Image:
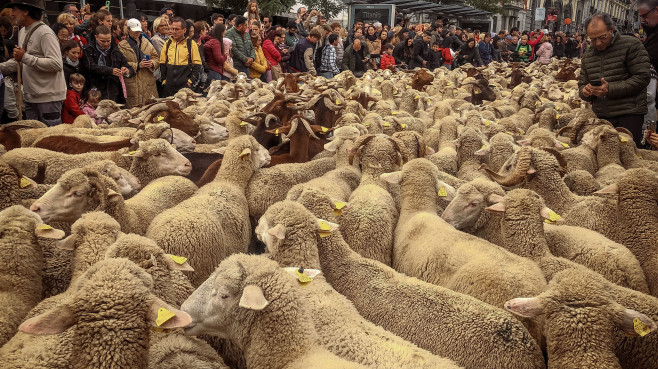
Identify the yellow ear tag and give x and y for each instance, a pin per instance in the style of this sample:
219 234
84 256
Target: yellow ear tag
324 129
337 102
243 123
276 132
623 139
395 113
366 124
497 121
449 84
387 124
416 97
639 156
536 103
338 211
640 327
132 152
552 217
403 126
565 145
302 278
163 316
558 108
325 229
244 155
44 226
160 118
24 182
487 122
483 147
557 116
178 259
442 192
408 86
509 133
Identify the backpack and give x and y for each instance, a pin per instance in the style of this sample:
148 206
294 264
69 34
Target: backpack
203 76
317 57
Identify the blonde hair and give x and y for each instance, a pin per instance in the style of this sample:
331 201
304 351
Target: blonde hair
65 18
157 21
544 38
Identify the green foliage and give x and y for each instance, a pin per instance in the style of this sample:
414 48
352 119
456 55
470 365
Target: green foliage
492 6
328 8
267 7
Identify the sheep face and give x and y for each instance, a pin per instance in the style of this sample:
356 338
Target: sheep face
580 312
76 192
182 141
464 210
213 132
105 108
162 157
18 217
225 299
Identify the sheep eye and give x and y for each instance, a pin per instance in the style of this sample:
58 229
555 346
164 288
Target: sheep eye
223 296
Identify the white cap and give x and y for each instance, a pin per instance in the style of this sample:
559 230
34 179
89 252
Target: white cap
544 30
134 25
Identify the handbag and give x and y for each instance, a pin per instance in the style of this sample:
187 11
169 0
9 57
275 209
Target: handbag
277 72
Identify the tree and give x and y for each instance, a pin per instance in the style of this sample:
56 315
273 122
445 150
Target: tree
267 7
492 6
328 8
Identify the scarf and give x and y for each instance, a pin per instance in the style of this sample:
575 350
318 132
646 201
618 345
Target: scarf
138 52
163 37
372 38
71 62
102 55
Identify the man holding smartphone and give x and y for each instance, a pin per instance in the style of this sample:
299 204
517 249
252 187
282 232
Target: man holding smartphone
614 75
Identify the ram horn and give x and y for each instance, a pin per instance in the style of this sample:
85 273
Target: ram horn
330 104
271 117
309 129
294 123
155 109
519 173
358 145
559 157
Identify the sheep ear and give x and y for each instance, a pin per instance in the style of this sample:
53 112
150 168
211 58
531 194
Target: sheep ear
26 182
309 272
525 307
393 177
244 155
483 151
66 244
278 231
331 146
135 154
113 195
531 170
445 190
634 323
253 298
494 198
524 142
160 315
496 208
174 262
220 150
612 189
53 321
429 151
46 231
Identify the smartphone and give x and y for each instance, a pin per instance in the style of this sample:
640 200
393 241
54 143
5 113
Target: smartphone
107 4
147 57
649 127
596 83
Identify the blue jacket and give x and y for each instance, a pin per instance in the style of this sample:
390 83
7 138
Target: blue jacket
486 52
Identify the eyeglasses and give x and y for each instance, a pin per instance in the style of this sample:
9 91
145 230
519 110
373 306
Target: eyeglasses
647 13
600 38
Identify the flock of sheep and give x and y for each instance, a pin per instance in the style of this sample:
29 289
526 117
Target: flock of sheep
475 218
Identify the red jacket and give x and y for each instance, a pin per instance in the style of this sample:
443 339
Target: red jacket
71 107
271 53
447 56
532 43
387 60
215 59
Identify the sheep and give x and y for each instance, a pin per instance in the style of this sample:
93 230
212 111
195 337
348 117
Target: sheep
12 184
154 158
112 309
174 352
373 203
9 138
501 146
90 237
542 170
469 142
214 223
414 144
523 210
459 261
635 218
82 190
601 303
128 184
614 261
383 296
270 185
23 262
211 133
260 299
285 228
581 182
581 334
169 283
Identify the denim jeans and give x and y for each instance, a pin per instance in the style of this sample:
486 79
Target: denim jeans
212 76
327 75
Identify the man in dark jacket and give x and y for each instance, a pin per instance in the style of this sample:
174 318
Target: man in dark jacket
243 49
614 76
421 51
103 64
648 11
301 57
356 58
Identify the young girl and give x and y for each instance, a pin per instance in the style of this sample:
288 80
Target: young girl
71 107
252 11
89 107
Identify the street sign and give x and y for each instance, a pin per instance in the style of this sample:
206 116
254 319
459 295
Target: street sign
540 13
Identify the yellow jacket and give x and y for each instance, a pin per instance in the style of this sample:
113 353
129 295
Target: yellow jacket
175 67
259 66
